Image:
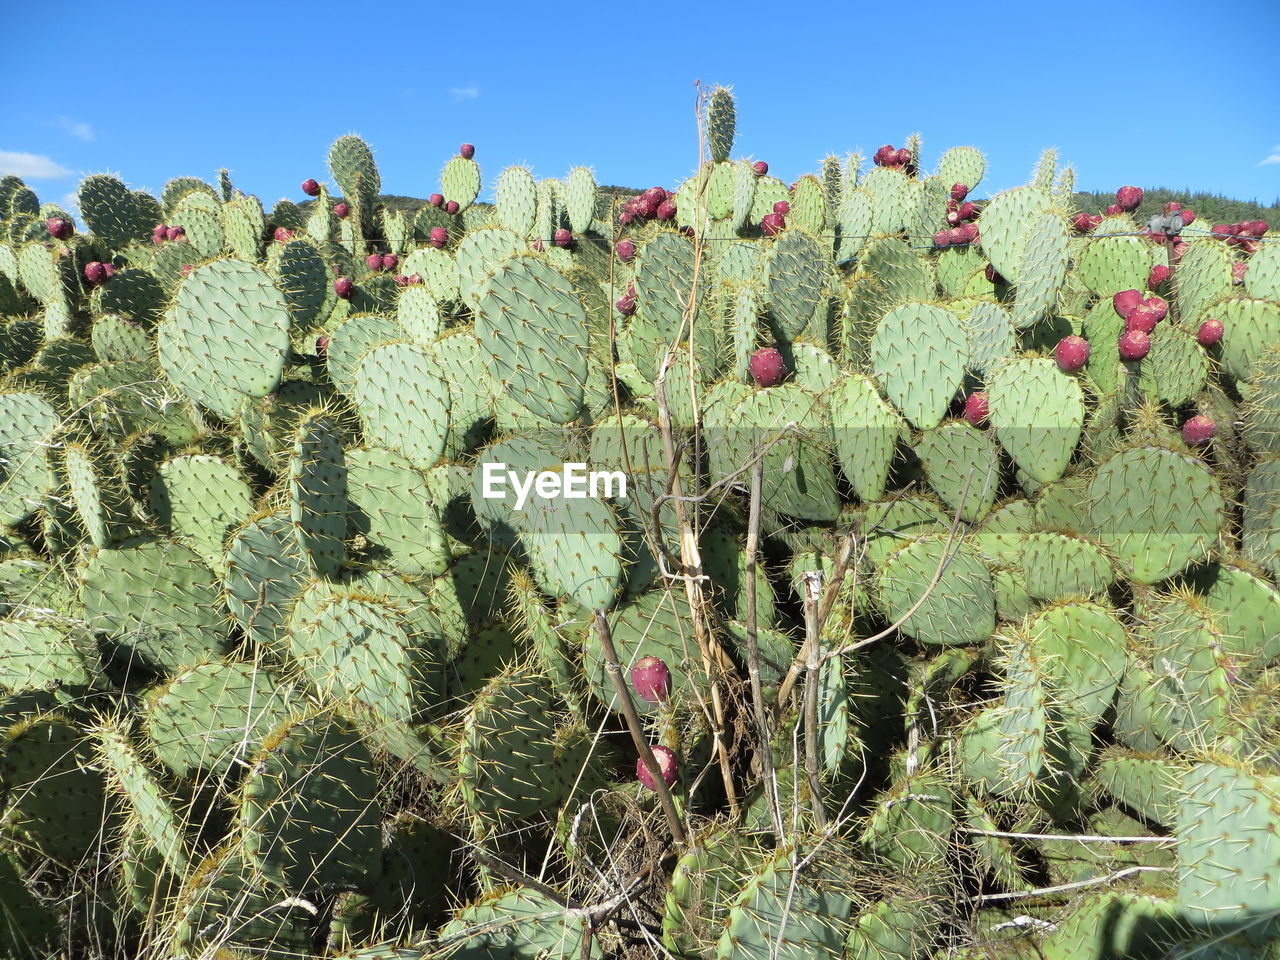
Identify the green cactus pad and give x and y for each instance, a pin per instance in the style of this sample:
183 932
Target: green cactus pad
460 182
403 401
962 464
1084 647
516 924
1007 224
1041 270
309 812
202 499
991 337
230 316
265 572
1247 609
39 653
960 609
157 599
1038 413
114 213
1112 264
532 325
318 492
1252 328
1202 279
919 353
394 507
516 199
656 624
1156 511
796 281
27 427
962 165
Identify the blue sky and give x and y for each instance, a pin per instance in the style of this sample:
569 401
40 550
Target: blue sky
1175 93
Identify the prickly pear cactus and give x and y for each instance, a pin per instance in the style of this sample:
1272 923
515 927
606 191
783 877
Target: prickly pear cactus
724 570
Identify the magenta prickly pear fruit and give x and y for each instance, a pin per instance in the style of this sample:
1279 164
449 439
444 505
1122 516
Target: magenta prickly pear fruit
439 237
343 287
437 199
953 218
666 765
415 280
322 345
943 239
968 210
767 368
625 217
782 207
402 280
1143 318
1072 353
959 191
176 233
389 261
1114 210
186 269
970 231
666 210
651 679
992 275
656 195
1126 301
1157 306
1199 429
884 156
467 150
1129 198
760 167
902 157
1134 345
1159 274
1082 222
626 305
625 249
59 227
977 408
108 271
1238 270
93 272
772 224
538 244
340 210
451 206
310 187
1210 332
283 234
159 234
374 261
564 238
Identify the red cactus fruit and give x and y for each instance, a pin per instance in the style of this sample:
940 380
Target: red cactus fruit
942 238
451 206
402 280
953 218
437 199
977 408
1134 345
343 287
625 217
389 261
310 188
666 765
1071 353
1126 301
439 237
93 272
1158 306
651 679
374 261
415 280
1158 275
1143 318
1188 217
59 227
625 249
992 276
959 191
968 210
666 210
176 233
467 151
626 305
159 234
1238 270
1114 210
767 368
1198 430
1129 198
283 234
782 207
322 345
186 269
885 155
902 157
772 224
1210 332
564 238
340 210
760 167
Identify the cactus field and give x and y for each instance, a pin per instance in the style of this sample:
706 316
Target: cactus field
930 609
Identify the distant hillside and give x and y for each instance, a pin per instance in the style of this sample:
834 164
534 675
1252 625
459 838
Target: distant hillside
1210 208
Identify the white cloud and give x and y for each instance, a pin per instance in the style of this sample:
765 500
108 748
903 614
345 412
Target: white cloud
1274 158
70 202
31 166
469 92
76 128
